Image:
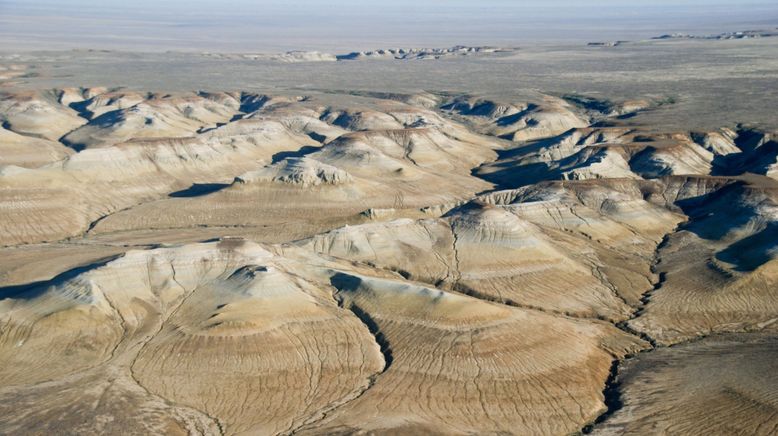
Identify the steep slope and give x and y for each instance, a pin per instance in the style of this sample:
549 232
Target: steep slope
37 114
398 170
157 323
575 252
719 268
450 370
158 116
380 262
229 334
61 200
721 384
518 121
29 152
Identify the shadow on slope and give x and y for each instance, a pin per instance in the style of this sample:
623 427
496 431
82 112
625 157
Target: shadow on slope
733 210
758 153
199 189
35 289
749 253
302 151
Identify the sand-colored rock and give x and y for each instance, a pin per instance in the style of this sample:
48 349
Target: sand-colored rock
555 254
154 117
97 182
158 323
719 266
333 185
518 122
719 385
29 152
227 302
450 370
380 262
37 114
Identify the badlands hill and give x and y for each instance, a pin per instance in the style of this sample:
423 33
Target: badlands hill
335 262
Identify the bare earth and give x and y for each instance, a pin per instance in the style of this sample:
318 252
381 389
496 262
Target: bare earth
552 240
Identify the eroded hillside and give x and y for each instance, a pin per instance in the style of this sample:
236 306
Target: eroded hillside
329 262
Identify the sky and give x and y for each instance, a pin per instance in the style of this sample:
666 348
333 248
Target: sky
344 25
